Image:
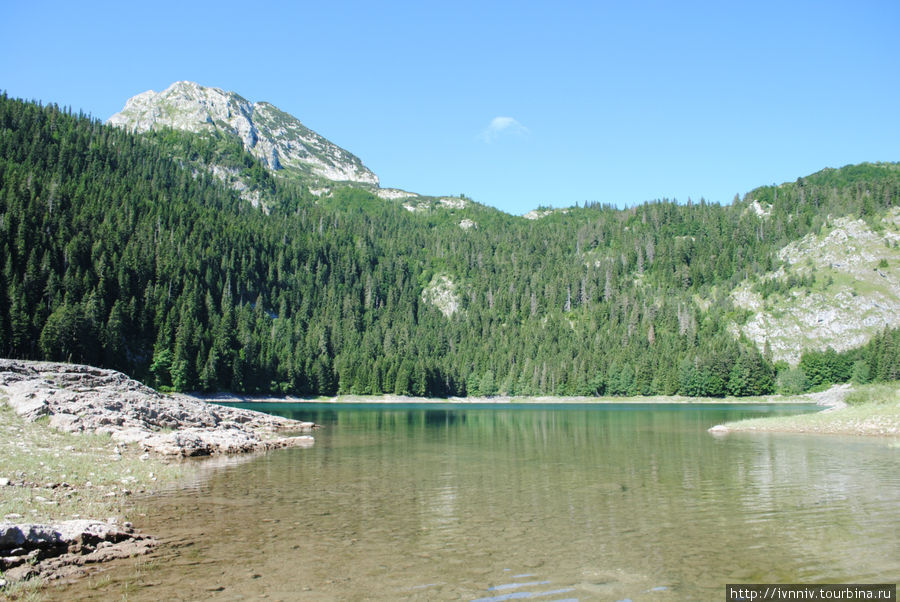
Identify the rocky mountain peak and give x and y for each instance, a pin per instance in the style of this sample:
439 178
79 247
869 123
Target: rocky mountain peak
276 138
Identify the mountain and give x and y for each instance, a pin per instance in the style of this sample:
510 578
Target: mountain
274 137
138 252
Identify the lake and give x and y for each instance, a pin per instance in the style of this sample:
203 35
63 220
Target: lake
545 502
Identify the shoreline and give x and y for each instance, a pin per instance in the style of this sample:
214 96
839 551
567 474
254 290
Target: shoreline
862 411
836 417
809 399
76 442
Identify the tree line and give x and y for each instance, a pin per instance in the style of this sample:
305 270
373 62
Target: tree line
124 251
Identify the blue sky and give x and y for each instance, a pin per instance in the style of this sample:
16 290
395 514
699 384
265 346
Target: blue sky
514 104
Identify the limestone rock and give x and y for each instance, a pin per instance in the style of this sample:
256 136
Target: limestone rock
85 399
441 292
393 194
58 550
856 271
276 138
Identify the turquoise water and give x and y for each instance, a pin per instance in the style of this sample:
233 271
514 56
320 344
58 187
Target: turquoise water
544 502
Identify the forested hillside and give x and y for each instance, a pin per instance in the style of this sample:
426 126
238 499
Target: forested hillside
119 250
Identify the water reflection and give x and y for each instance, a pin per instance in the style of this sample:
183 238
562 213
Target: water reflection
551 502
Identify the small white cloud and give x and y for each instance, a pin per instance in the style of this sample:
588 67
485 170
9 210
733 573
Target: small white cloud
502 126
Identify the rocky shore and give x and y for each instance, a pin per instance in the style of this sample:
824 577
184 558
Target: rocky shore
78 398
120 437
66 549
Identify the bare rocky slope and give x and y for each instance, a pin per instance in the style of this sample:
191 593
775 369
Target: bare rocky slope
274 137
855 292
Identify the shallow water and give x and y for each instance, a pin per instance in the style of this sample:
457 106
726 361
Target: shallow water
546 502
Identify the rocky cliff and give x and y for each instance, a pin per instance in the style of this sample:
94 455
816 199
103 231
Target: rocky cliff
276 138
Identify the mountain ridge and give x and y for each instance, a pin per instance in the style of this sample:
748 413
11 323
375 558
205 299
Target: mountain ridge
277 139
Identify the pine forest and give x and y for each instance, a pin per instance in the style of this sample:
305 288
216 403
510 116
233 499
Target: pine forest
120 250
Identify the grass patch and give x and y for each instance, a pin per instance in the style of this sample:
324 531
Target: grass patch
54 475
882 394
871 410
29 590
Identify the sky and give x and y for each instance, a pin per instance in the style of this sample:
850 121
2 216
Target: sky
514 104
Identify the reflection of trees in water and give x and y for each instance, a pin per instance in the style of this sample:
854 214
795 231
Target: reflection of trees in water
610 501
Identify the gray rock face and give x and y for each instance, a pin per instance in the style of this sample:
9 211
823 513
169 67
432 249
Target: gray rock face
858 270
81 398
273 136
